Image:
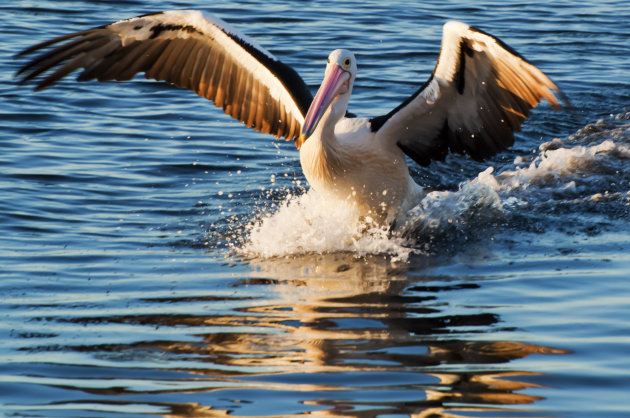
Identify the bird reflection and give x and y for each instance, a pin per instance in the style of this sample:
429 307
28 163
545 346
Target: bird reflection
295 319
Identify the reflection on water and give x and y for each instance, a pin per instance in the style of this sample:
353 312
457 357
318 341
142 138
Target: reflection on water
122 203
290 331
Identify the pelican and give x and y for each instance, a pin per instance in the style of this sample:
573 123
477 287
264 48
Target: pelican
478 95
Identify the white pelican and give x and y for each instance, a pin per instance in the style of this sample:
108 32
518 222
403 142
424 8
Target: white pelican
480 92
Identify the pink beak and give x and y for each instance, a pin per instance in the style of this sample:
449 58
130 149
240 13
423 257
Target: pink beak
335 83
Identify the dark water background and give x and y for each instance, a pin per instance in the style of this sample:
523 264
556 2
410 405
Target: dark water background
157 258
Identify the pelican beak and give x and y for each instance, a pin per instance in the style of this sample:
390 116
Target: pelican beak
335 83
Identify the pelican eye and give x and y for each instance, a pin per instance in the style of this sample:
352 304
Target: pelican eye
346 63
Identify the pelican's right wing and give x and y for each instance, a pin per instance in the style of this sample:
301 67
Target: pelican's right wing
189 49
480 92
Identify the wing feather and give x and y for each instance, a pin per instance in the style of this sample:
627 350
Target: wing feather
189 49
479 94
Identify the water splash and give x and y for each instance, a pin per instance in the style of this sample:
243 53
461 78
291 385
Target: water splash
309 223
592 162
587 166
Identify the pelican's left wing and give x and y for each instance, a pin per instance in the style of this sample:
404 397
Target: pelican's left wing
480 92
189 49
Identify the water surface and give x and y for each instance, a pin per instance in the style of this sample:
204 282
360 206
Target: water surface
157 258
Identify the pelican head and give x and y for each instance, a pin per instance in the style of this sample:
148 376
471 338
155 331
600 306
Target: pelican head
334 92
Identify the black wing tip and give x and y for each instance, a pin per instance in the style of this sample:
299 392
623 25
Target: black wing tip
23 53
21 76
33 48
32 65
41 86
566 103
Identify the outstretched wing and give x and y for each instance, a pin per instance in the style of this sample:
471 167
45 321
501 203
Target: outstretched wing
191 50
479 94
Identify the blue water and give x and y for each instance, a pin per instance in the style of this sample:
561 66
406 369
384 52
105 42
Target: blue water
158 258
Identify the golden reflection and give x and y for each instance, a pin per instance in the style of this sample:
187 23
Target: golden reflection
295 318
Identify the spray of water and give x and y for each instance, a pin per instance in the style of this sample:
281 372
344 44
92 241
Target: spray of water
580 165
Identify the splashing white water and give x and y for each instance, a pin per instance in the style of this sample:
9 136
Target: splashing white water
311 224
308 224
591 165
553 167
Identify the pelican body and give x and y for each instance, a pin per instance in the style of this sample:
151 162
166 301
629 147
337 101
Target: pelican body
343 159
478 95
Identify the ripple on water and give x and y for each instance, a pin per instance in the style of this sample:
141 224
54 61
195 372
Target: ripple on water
159 259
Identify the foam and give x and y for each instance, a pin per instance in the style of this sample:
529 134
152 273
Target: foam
553 167
309 224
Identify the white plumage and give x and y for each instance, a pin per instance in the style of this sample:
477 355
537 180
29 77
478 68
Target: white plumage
480 92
